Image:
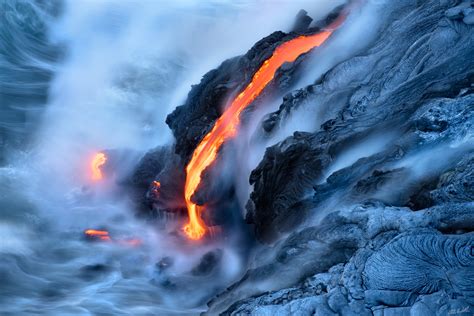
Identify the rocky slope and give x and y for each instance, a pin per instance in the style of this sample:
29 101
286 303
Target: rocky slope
372 213
394 234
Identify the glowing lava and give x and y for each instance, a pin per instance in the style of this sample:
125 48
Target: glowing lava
226 126
97 162
156 186
94 234
99 234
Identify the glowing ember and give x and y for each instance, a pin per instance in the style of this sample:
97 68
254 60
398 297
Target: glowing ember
100 234
97 162
155 189
156 186
226 126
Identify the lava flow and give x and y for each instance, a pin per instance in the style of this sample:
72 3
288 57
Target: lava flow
97 162
226 126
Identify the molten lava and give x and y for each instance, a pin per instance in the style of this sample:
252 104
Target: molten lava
226 126
97 162
155 188
99 234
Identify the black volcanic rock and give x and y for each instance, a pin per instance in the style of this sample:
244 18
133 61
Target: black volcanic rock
191 121
207 100
209 262
371 213
163 165
389 228
296 168
151 164
422 90
377 239
302 22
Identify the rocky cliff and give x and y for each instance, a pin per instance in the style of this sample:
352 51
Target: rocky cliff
389 233
372 212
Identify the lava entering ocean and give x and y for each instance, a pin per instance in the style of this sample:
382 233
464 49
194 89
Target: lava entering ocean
226 126
98 161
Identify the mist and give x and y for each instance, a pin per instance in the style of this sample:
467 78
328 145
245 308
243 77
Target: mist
121 68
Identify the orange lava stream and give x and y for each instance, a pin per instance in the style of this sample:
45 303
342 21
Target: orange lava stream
97 162
226 126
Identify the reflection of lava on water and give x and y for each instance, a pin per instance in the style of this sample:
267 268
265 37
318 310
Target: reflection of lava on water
226 126
94 234
104 235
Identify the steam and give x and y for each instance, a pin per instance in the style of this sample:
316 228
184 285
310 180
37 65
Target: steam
123 67
363 23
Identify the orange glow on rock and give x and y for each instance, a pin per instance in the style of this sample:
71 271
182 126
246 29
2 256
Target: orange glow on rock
98 161
156 186
226 126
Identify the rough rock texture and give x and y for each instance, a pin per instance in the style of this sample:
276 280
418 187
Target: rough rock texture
409 82
399 261
164 166
372 213
206 101
386 229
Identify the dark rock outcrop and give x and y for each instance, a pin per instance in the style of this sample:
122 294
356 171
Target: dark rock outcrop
205 103
207 100
302 22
